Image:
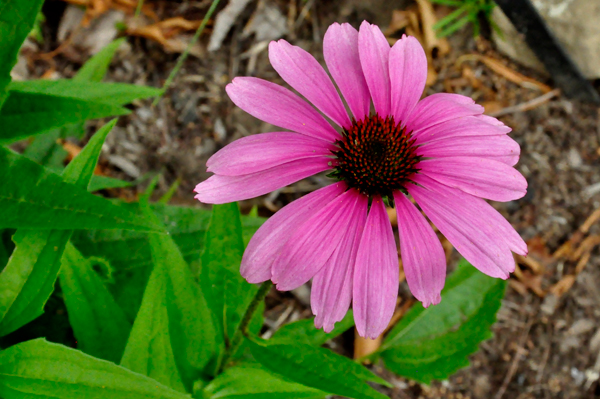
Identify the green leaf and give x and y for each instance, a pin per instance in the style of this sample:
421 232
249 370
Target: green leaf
304 331
96 67
183 318
228 293
105 182
434 343
17 18
42 370
129 254
25 114
252 381
105 93
148 349
45 150
28 279
99 325
32 197
318 368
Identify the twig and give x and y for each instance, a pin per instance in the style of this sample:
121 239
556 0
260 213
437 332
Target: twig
186 52
515 362
528 105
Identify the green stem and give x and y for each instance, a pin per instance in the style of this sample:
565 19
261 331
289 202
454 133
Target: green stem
242 329
186 52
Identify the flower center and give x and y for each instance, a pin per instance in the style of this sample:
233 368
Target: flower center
376 156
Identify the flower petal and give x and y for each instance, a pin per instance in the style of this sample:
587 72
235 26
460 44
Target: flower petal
374 52
331 292
313 243
439 108
268 240
304 73
481 177
459 127
340 48
263 151
408 73
278 106
376 274
422 254
219 189
470 224
499 147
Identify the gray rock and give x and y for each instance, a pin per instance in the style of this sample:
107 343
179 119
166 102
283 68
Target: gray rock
573 22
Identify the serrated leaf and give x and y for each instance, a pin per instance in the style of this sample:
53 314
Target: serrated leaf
32 197
96 67
17 18
28 279
42 370
25 114
318 368
129 253
45 150
99 324
228 293
434 343
304 331
180 314
252 381
95 92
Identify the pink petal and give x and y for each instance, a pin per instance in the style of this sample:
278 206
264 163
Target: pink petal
312 244
459 127
278 106
259 152
304 73
331 292
499 147
422 254
267 242
470 224
439 108
408 73
340 48
219 189
376 274
374 52
481 177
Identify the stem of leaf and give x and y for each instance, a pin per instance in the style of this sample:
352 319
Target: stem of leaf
186 52
242 329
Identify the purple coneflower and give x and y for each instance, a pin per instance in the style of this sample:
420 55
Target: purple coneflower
440 150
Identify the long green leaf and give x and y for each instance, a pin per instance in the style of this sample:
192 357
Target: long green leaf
32 197
433 343
96 67
185 320
128 252
252 381
25 114
99 325
149 351
28 279
17 17
229 293
42 370
105 93
317 368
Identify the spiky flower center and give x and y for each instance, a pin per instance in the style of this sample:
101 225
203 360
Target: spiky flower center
376 156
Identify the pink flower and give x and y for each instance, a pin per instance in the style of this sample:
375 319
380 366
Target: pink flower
440 150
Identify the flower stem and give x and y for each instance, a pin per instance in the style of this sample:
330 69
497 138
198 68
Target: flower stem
186 52
242 329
